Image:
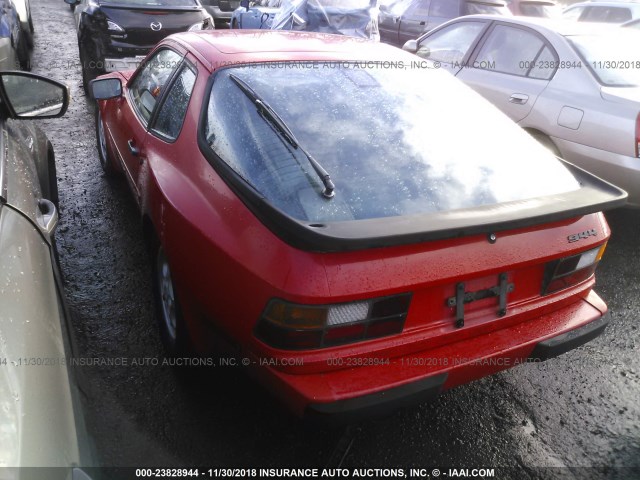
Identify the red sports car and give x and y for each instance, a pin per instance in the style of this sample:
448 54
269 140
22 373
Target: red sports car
364 231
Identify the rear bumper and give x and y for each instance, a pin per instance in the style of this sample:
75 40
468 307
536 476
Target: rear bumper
353 393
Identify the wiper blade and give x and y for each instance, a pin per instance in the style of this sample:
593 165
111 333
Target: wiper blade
272 117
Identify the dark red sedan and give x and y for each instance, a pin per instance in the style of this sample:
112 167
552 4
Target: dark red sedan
362 230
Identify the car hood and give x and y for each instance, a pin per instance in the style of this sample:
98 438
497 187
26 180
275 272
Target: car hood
621 94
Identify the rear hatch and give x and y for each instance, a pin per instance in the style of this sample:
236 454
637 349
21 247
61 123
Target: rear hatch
147 24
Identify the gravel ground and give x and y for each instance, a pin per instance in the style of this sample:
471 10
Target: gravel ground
580 412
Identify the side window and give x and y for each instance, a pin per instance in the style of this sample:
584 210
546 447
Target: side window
450 44
150 81
171 115
444 9
573 13
510 50
619 15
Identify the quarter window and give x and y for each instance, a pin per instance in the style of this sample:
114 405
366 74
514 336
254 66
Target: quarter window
172 112
510 50
148 86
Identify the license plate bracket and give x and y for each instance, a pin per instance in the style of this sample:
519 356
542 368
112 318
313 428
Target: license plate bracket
462 297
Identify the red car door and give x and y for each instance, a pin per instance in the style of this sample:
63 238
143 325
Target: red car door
137 109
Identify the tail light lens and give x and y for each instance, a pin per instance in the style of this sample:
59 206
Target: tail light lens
290 326
569 271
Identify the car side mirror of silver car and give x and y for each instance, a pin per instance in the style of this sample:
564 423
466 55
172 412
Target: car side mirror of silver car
72 2
411 46
27 95
106 88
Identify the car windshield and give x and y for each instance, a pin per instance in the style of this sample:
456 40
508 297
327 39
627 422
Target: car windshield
392 140
540 10
613 58
153 3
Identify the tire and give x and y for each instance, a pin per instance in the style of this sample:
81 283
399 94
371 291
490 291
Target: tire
88 72
168 310
234 24
24 56
546 142
106 161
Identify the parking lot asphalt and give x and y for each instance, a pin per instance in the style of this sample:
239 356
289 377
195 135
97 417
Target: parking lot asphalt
577 416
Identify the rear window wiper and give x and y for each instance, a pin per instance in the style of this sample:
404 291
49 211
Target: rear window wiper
272 117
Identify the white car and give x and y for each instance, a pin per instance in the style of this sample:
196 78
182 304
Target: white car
574 86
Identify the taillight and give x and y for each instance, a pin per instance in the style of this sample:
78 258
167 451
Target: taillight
569 271
638 136
300 327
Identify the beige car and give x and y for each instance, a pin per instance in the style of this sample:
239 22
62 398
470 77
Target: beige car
40 421
573 86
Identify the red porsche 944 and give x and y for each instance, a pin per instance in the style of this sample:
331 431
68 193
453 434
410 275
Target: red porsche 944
366 230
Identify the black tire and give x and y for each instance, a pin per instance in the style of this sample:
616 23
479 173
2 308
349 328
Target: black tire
234 24
24 55
546 142
173 332
106 161
89 69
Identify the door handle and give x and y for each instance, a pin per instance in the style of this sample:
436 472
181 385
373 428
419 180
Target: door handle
133 149
422 23
519 98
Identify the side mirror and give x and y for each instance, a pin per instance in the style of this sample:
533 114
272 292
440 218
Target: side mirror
105 88
72 2
243 3
28 95
411 46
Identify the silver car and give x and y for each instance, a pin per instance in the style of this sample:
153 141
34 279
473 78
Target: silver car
573 86
40 423
605 12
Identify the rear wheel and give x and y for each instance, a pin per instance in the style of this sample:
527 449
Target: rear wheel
24 56
103 150
168 311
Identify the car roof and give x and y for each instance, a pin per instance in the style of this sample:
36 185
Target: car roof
239 46
551 25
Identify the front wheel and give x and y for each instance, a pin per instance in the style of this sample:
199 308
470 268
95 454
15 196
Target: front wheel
168 311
